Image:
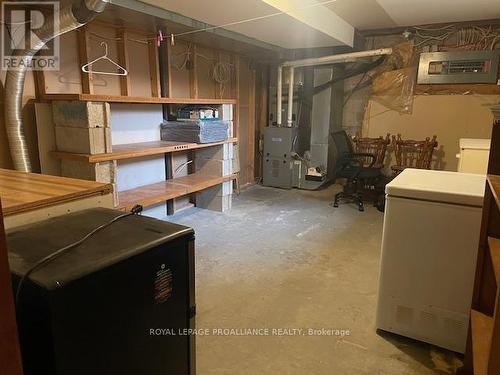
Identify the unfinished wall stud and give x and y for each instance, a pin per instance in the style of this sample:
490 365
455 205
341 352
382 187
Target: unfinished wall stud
124 60
193 73
154 69
83 56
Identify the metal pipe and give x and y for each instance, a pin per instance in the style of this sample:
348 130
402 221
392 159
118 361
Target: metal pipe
290 97
335 59
279 95
332 59
70 18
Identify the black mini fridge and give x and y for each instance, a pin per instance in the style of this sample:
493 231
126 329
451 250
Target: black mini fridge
120 303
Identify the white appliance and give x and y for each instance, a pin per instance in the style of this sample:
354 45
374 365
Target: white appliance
429 246
474 155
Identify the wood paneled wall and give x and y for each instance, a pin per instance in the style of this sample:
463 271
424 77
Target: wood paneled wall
135 50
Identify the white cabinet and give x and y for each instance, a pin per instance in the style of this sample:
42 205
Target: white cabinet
474 154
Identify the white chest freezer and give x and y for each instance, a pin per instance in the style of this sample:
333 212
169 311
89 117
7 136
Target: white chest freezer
429 247
474 155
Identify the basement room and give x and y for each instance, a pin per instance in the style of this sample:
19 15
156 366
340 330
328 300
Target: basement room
230 187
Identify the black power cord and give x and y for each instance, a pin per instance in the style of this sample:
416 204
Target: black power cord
60 252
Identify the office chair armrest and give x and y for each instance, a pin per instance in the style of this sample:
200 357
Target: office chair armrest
358 155
349 161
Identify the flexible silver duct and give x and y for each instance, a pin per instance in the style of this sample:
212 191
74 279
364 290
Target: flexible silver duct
70 18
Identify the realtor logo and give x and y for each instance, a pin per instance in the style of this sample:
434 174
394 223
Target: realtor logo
25 24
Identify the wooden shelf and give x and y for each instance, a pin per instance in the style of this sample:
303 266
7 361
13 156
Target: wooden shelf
137 150
162 191
457 88
494 182
134 99
481 330
494 248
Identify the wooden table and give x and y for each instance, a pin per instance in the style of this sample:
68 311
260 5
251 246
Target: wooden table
31 197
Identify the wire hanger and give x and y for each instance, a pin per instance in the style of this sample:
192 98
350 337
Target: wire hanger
87 68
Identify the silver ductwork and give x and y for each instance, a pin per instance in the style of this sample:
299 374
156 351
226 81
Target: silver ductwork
70 18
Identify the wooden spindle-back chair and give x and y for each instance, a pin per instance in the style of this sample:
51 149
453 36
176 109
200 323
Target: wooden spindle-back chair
413 154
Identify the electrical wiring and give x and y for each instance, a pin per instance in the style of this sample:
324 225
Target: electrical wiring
181 167
96 36
468 38
187 55
220 71
433 28
477 38
427 39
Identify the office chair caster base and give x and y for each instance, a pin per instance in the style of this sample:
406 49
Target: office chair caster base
349 197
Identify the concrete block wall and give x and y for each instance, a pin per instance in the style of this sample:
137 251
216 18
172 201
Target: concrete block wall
78 114
215 161
101 172
83 141
84 128
224 152
228 115
217 198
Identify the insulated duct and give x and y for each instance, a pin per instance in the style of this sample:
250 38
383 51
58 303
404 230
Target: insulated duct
70 18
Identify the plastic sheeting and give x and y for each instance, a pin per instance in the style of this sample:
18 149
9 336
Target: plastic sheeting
394 80
199 131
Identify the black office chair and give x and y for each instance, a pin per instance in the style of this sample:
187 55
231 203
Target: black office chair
349 165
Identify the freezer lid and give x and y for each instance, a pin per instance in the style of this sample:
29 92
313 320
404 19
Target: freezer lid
439 186
474 144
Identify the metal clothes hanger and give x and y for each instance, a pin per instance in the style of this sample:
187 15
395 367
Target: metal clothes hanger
87 68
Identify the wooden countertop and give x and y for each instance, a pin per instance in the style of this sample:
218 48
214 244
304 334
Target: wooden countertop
20 191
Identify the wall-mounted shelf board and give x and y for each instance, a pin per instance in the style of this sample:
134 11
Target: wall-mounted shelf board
494 182
149 195
135 99
443 89
481 329
137 150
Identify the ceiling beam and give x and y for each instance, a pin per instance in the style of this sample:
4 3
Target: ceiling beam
319 18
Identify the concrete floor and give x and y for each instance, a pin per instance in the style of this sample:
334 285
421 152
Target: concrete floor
286 259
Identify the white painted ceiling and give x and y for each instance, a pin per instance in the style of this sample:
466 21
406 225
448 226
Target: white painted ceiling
285 30
331 24
375 14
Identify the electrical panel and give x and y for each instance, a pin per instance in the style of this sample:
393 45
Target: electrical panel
458 67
